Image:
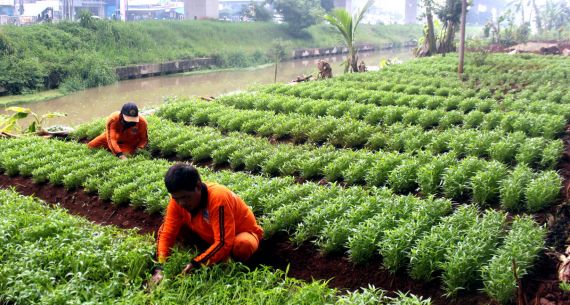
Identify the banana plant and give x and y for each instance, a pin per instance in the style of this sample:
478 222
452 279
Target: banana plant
9 124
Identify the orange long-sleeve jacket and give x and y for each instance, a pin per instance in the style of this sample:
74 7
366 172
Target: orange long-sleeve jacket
119 139
223 215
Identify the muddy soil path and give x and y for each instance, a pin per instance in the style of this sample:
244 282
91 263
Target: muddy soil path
305 262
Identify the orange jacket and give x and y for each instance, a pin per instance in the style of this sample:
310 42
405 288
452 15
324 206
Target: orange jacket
117 136
223 216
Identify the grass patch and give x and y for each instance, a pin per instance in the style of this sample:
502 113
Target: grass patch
11 100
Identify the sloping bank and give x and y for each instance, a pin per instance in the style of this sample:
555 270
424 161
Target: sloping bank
72 57
184 65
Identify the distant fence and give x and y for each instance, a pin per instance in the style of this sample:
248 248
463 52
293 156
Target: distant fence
314 52
5 19
177 66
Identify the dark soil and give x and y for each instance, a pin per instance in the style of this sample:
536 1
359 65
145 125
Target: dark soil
80 203
543 285
540 287
305 262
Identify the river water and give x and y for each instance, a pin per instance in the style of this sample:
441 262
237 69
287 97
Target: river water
98 102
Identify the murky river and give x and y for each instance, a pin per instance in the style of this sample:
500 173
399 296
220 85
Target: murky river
149 92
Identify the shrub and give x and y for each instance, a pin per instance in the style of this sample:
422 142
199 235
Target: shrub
512 188
542 191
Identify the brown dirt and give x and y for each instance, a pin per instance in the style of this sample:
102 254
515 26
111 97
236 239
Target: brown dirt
305 262
80 203
537 47
542 285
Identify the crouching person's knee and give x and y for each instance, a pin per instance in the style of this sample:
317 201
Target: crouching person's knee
245 244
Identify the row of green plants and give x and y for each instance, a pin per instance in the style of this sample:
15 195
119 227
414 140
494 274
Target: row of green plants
390 75
533 98
463 247
486 182
51 257
339 132
202 143
374 220
503 75
346 132
386 108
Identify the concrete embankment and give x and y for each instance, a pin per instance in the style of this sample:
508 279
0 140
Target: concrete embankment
185 65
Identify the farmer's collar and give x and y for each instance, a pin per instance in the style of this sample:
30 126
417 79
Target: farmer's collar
204 196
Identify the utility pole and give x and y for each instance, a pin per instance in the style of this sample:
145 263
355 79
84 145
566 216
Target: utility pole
67 10
462 44
20 8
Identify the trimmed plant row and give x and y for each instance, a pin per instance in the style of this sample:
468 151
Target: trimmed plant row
521 76
374 221
77 262
509 149
390 74
429 111
486 182
397 87
426 98
339 132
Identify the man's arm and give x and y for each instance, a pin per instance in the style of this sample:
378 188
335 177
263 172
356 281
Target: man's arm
223 225
143 133
168 231
113 137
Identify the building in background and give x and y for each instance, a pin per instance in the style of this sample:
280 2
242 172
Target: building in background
411 12
234 9
482 11
201 9
154 9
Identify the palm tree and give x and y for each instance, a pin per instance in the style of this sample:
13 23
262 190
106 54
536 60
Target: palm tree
347 26
519 6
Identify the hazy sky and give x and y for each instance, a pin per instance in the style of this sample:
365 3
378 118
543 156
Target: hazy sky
398 5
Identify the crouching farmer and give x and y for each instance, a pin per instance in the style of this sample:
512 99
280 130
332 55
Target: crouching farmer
125 132
212 212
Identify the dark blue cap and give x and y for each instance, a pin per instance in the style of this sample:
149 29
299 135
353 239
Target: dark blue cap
130 109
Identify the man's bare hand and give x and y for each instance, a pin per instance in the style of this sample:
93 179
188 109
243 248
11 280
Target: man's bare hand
156 277
123 157
188 269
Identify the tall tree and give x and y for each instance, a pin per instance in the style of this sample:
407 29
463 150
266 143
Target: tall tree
537 17
430 28
450 15
299 14
429 45
462 43
519 6
347 26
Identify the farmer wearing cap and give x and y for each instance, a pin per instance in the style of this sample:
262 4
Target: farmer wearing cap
211 211
125 132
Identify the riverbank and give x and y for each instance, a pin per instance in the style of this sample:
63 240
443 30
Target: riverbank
74 57
150 92
12 100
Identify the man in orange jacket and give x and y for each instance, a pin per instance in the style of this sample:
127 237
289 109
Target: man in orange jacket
124 133
211 211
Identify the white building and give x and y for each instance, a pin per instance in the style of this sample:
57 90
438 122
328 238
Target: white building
201 9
